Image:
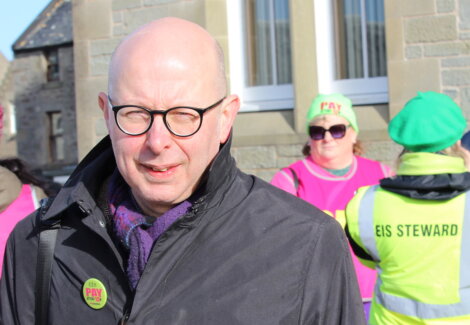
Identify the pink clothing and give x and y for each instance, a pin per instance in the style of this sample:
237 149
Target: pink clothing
331 194
23 205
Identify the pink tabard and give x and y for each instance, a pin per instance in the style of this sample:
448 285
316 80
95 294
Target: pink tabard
23 205
331 194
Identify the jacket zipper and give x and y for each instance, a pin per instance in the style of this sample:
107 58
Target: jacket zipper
127 310
125 318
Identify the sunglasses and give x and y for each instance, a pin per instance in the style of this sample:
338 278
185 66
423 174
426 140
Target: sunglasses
337 131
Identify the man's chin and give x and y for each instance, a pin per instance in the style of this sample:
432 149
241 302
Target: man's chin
155 200
157 207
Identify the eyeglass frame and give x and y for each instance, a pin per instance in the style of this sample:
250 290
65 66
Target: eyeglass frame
200 111
328 130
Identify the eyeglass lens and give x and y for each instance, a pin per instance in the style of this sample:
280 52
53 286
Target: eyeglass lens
181 121
337 131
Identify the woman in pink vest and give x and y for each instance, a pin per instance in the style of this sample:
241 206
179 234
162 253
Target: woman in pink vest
17 197
332 169
17 200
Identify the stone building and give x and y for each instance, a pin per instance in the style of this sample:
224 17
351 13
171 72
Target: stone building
314 46
279 56
44 81
8 136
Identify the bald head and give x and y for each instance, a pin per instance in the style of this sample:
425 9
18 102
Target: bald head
162 67
172 47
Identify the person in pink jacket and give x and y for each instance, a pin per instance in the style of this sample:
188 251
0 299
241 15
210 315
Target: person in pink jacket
18 197
17 200
332 169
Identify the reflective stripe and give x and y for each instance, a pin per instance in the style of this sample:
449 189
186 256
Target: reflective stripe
366 222
465 250
34 196
406 306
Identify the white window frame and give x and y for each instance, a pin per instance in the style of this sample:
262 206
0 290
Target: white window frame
361 91
12 117
257 98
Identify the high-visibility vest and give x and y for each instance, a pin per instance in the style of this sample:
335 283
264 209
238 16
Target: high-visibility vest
421 250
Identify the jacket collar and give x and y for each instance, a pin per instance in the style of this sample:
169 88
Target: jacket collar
219 173
424 163
84 183
429 176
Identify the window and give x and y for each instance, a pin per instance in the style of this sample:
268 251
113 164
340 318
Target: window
52 58
267 43
56 137
9 111
12 116
350 36
260 57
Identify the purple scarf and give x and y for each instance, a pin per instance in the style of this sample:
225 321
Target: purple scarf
132 227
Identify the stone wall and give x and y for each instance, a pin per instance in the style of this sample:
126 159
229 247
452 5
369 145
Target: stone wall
265 160
8 139
431 50
35 97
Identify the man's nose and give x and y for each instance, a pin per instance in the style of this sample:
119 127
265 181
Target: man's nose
158 136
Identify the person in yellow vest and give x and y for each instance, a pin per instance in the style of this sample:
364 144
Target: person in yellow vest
414 228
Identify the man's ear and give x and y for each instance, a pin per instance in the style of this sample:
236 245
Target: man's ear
103 103
231 105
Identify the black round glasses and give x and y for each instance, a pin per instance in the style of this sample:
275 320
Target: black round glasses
181 121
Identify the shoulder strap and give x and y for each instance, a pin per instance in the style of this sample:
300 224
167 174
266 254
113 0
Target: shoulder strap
296 178
47 240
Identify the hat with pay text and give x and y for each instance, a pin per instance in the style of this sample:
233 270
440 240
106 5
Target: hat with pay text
336 104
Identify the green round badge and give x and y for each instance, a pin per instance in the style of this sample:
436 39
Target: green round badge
94 293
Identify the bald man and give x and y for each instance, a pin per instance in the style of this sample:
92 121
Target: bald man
158 226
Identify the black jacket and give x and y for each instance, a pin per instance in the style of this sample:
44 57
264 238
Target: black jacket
247 253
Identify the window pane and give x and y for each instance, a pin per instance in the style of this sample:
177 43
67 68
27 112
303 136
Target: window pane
268 42
376 38
12 120
357 57
56 137
259 46
52 57
349 40
283 53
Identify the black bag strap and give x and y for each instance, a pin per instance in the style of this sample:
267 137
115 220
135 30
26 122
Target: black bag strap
295 178
47 240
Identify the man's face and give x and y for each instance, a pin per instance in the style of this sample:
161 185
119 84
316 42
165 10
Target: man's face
163 169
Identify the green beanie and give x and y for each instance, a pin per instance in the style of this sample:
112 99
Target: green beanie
332 104
429 122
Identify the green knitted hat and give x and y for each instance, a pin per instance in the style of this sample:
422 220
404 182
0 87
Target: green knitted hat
429 122
332 104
